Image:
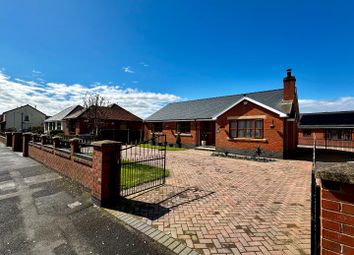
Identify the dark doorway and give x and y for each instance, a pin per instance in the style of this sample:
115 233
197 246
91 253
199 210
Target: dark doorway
207 132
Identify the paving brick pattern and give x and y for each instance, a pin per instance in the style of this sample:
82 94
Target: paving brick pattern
230 206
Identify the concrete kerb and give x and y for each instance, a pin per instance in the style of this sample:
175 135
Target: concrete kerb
166 240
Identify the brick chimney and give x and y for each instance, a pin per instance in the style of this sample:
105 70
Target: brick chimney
289 86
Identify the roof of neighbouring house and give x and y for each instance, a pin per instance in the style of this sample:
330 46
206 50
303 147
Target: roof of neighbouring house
61 115
343 119
110 112
24 106
211 108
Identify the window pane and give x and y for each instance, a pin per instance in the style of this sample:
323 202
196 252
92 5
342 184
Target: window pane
259 124
241 133
158 127
249 133
241 124
233 133
258 133
184 127
249 123
233 124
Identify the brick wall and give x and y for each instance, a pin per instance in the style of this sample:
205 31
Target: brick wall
271 145
71 166
336 182
337 219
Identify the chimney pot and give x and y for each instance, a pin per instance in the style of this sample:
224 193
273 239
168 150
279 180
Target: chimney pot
288 72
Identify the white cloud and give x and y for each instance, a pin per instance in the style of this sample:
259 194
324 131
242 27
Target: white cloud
339 104
53 97
127 69
36 71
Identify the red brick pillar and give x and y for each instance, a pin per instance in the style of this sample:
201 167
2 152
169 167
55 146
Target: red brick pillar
56 142
74 146
17 141
43 139
25 140
106 172
337 208
8 139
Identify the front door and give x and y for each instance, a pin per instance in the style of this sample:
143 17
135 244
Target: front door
207 132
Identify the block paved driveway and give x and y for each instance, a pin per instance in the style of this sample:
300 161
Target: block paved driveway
230 206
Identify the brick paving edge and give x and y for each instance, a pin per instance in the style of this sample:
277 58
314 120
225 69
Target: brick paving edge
156 235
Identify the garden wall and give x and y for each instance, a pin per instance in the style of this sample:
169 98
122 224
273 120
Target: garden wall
70 165
336 208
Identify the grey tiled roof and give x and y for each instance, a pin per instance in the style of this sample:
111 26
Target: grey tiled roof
61 115
210 107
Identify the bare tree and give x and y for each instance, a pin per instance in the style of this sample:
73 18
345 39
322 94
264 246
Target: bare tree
94 105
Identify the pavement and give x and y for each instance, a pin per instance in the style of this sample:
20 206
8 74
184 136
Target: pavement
42 212
221 205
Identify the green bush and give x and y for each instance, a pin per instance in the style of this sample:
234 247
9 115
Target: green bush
37 130
57 132
13 129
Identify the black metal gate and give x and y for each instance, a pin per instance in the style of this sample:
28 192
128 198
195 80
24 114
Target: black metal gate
315 208
143 165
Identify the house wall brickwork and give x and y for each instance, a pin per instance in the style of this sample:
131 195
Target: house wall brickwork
271 145
321 140
169 129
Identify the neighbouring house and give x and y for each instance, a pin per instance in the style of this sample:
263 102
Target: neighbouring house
57 122
22 118
332 130
240 123
113 122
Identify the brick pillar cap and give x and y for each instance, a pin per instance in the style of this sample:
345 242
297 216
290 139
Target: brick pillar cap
104 143
44 135
28 133
56 137
8 132
74 139
341 172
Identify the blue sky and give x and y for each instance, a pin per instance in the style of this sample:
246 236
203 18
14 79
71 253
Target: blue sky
173 50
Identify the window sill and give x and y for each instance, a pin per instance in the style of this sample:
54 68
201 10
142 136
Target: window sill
261 140
157 133
184 135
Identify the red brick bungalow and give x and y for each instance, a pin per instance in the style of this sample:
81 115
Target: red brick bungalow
237 123
332 130
114 123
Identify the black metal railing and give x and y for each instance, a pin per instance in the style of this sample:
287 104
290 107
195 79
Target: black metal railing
327 144
36 139
49 140
65 144
143 165
86 149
